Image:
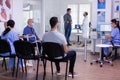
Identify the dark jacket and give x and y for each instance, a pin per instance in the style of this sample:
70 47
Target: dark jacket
67 20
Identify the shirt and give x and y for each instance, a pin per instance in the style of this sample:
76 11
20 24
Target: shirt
115 35
30 31
67 20
55 36
11 37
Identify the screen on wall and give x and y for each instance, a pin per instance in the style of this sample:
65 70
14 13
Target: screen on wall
104 27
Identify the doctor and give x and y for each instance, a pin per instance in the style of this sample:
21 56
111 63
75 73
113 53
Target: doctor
85 27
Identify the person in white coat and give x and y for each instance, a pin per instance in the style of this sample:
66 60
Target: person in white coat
85 27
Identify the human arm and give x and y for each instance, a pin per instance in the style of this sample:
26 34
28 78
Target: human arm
65 48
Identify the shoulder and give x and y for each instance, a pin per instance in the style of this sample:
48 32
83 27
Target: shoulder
13 32
60 34
115 29
26 27
65 14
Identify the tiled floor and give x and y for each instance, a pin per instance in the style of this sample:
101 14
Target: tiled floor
84 70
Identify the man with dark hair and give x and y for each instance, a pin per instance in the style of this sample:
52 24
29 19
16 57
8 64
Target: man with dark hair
67 25
57 37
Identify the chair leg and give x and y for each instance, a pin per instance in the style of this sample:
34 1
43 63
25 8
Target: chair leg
66 70
22 65
17 67
37 69
45 61
13 68
52 68
5 64
25 67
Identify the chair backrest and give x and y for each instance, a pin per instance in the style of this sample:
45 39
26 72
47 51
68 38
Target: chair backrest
24 48
4 46
52 50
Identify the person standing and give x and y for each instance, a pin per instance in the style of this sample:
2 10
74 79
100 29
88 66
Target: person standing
67 25
85 27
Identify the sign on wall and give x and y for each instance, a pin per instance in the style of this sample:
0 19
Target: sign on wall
116 9
101 11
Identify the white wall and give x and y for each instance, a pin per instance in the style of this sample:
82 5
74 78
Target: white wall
58 8
94 16
17 15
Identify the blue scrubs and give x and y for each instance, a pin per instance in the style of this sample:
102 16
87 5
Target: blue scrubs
115 39
30 31
11 36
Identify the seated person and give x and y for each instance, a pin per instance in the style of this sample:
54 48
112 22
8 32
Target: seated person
55 36
29 31
115 36
11 36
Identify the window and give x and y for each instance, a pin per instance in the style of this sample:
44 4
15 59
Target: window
77 11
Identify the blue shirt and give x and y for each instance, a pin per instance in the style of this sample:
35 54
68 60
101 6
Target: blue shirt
115 35
30 31
11 37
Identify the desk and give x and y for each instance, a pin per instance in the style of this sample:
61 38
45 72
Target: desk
78 36
101 59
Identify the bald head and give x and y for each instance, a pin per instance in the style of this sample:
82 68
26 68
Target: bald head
30 22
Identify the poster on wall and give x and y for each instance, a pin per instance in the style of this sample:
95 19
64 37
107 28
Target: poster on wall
100 16
5 10
116 9
101 4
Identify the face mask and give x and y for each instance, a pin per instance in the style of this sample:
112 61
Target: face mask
33 24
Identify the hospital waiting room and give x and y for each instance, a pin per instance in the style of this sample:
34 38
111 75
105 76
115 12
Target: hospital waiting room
59 39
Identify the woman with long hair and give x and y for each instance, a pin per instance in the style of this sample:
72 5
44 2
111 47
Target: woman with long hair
11 36
115 35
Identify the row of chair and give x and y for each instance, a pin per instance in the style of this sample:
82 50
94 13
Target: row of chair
26 51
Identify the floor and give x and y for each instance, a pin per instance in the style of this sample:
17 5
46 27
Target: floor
84 70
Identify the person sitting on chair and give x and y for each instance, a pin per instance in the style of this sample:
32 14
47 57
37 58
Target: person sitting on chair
11 36
115 36
30 33
55 36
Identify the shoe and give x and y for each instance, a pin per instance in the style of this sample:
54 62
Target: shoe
70 74
28 64
58 73
69 44
83 45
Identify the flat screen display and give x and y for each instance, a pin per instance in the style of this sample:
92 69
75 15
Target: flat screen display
104 27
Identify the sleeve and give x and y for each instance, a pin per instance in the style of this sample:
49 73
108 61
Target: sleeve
64 40
65 18
25 31
113 33
36 35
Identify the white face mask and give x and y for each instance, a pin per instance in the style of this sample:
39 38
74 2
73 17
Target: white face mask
33 24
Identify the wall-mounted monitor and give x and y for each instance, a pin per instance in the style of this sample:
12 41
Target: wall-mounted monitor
104 27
